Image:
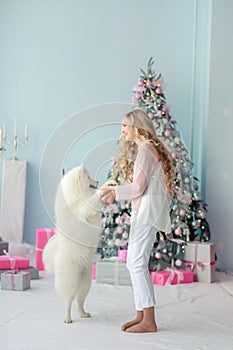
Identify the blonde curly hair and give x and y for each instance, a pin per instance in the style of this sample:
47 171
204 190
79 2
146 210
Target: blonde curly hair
144 130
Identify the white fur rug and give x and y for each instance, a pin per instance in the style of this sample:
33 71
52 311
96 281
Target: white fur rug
193 316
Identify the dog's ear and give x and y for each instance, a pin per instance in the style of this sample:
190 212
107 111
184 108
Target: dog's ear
82 168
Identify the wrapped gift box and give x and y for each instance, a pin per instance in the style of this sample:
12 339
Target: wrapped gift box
171 276
15 281
3 247
2 271
42 237
94 272
13 262
112 271
122 254
34 272
200 259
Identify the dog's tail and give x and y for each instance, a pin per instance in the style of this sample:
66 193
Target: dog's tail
49 252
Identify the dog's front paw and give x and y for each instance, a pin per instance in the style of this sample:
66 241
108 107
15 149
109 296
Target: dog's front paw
68 320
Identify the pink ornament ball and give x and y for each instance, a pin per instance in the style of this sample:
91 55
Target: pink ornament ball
140 82
158 255
182 212
178 231
160 113
119 230
173 155
150 115
148 83
137 97
158 90
118 220
167 133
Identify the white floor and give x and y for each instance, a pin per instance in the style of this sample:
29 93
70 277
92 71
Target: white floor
193 316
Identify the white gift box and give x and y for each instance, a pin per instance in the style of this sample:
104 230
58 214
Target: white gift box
199 257
112 271
15 281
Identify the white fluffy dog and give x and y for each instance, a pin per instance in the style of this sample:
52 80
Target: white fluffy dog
69 253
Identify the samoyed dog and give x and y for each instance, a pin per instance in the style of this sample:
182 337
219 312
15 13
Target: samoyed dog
70 252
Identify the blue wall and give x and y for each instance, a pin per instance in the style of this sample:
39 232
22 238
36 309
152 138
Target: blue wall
219 165
61 57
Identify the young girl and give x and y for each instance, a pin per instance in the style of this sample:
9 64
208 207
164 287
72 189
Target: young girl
146 173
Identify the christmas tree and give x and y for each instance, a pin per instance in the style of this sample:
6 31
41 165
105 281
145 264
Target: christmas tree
116 225
188 211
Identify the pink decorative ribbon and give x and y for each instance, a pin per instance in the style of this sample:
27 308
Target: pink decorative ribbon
192 265
173 272
12 261
13 269
12 280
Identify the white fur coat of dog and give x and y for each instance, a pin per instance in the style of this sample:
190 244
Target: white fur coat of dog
69 253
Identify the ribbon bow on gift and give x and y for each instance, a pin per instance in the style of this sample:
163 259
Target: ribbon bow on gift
192 265
173 272
13 269
12 262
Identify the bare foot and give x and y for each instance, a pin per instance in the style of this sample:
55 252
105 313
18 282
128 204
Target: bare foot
130 323
85 315
142 327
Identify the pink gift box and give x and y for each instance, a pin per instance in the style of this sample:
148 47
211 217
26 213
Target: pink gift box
42 237
13 262
171 276
122 254
94 272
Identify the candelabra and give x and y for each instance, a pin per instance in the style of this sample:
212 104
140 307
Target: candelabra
15 141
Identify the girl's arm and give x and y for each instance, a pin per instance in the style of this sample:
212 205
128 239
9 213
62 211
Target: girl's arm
143 169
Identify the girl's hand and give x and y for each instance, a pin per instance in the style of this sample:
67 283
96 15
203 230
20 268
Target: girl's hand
108 194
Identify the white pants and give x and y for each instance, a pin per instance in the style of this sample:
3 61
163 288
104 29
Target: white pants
138 256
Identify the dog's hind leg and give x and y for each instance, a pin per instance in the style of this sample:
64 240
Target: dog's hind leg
84 287
68 304
82 312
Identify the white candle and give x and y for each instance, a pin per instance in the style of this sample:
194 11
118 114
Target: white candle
26 131
4 132
15 129
0 139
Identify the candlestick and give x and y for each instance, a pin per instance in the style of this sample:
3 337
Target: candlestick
15 142
15 128
26 131
0 139
4 132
